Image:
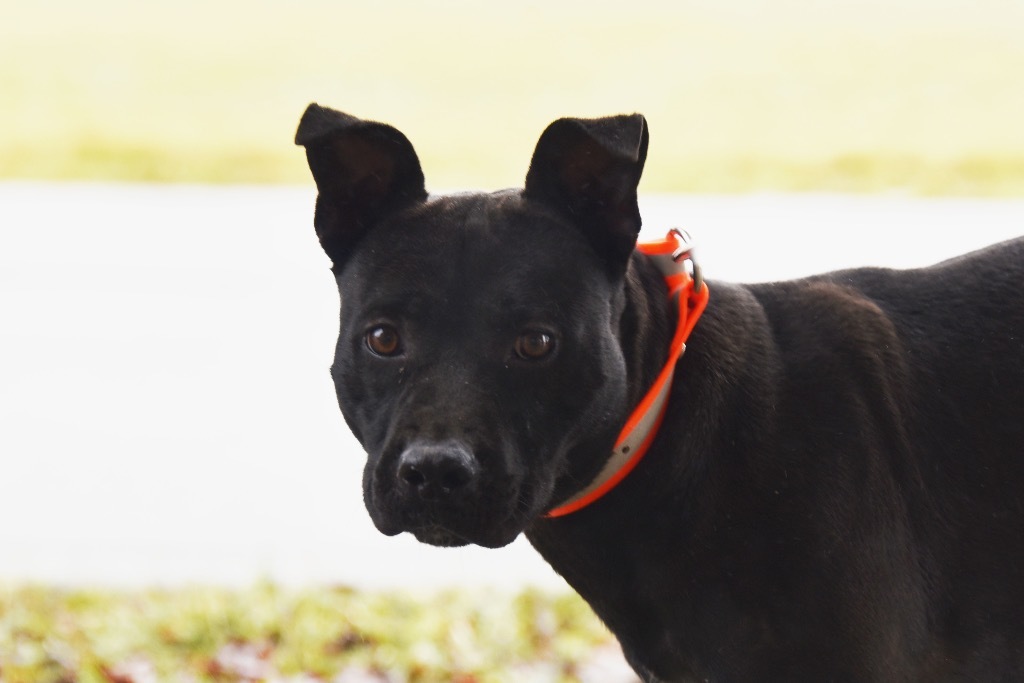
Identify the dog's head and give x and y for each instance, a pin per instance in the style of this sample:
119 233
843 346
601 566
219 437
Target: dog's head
478 360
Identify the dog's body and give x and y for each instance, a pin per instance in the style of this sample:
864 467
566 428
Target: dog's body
836 492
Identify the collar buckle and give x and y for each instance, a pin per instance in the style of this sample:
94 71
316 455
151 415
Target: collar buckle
684 251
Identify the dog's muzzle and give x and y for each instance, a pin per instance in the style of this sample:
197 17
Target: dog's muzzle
436 490
447 493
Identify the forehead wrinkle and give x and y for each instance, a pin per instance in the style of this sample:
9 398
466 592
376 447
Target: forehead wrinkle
459 255
451 258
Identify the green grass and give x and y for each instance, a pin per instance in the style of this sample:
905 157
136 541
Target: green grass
740 94
49 635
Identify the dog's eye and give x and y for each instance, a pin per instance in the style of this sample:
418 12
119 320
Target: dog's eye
534 345
383 340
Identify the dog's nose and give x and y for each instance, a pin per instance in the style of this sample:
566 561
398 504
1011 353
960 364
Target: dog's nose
436 471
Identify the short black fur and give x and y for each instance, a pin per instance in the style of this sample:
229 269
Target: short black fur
836 494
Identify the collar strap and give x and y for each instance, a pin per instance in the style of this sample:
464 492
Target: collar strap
687 289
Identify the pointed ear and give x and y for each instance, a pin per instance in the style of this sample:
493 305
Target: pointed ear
588 169
363 171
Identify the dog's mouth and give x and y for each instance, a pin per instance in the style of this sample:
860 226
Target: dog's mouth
450 524
440 493
443 536
457 531
435 534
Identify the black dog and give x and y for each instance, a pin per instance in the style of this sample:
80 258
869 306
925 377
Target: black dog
835 493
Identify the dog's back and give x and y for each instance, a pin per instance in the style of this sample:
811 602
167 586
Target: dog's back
927 367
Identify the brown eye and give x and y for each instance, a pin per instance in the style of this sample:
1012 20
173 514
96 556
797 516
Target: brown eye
383 340
534 345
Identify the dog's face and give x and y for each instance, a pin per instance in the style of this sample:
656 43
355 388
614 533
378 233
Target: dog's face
473 356
478 360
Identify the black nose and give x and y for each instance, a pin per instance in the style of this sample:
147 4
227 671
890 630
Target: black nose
436 471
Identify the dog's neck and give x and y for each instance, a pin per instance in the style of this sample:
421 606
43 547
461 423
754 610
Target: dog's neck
688 294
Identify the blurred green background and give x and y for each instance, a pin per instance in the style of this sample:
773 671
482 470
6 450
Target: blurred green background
266 633
925 95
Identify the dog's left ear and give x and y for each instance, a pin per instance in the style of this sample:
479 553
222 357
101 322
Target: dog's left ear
363 171
588 170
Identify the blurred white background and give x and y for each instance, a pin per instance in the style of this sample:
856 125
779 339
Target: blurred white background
166 414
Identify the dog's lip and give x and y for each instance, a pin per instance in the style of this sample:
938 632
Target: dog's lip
430 529
444 535
438 535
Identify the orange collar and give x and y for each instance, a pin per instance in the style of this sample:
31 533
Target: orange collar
689 291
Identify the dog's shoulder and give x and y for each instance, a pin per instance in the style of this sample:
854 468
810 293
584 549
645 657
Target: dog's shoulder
824 320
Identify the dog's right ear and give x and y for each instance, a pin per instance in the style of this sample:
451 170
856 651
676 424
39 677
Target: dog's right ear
363 171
